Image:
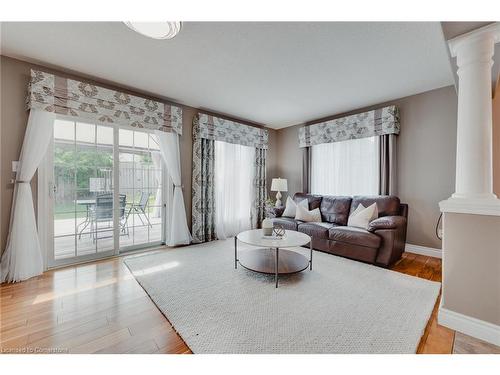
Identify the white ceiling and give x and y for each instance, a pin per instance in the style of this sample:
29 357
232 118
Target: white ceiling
274 73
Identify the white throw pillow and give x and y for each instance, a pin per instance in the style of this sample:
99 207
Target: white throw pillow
362 216
304 214
291 207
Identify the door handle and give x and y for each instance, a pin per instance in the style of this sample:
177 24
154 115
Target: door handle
52 189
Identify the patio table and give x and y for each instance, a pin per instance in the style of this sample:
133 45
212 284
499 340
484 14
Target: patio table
88 203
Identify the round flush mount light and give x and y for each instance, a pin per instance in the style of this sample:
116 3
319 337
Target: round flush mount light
156 30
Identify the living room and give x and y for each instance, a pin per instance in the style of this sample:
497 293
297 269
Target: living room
207 194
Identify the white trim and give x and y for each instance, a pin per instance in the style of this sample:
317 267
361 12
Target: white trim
116 189
470 326
488 206
44 205
492 30
423 250
129 253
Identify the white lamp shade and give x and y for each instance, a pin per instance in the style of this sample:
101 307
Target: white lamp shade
156 30
279 184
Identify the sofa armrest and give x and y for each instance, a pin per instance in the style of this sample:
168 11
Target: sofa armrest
392 231
272 212
387 222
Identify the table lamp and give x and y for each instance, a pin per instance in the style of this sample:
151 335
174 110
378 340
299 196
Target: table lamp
279 185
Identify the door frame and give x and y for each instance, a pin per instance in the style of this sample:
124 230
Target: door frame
45 207
45 210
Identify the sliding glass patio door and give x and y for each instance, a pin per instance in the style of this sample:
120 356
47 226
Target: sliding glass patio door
101 191
141 183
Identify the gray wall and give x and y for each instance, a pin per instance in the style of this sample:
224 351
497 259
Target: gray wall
14 78
426 158
471 267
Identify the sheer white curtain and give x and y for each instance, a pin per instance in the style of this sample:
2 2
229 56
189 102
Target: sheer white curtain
234 188
177 229
346 168
22 257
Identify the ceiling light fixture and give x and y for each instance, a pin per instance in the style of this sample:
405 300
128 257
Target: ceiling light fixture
156 30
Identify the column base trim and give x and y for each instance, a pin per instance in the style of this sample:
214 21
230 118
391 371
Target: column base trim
423 250
468 325
475 206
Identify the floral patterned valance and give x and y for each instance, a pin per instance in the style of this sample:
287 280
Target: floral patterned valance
367 124
219 129
80 99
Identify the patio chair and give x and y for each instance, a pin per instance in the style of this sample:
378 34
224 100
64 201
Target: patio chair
103 212
140 208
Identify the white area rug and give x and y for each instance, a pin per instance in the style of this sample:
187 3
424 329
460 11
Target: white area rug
341 306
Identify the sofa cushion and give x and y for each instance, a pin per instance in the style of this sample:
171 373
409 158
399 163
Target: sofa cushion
387 205
362 216
314 200
291 207
355 236
287 222
335 209
316 230
313 216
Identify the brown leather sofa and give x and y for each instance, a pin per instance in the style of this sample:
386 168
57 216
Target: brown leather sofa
382 244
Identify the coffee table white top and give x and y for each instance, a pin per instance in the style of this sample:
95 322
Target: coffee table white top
291 239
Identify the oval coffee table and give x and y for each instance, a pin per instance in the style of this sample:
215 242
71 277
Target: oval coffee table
272 258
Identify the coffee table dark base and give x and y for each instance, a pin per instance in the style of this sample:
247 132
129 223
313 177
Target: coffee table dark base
264 261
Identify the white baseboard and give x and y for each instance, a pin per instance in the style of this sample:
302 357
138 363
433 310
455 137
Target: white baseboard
470 326
423 250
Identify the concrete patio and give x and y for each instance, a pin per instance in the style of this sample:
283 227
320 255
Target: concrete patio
72 239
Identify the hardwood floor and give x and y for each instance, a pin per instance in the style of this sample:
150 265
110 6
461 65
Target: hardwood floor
436 339
99 308
469 345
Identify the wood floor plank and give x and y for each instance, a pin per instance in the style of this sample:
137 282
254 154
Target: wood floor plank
469 345
131 346
12 325
146 347
404 263
14 343
141 339
171 344
416 265
426 271
438 343
75 336
104 308
94 346
78 325
30 318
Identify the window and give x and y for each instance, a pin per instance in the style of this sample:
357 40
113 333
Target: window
234 188
346 168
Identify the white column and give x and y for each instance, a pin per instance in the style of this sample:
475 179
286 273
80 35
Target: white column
468 254
474 171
